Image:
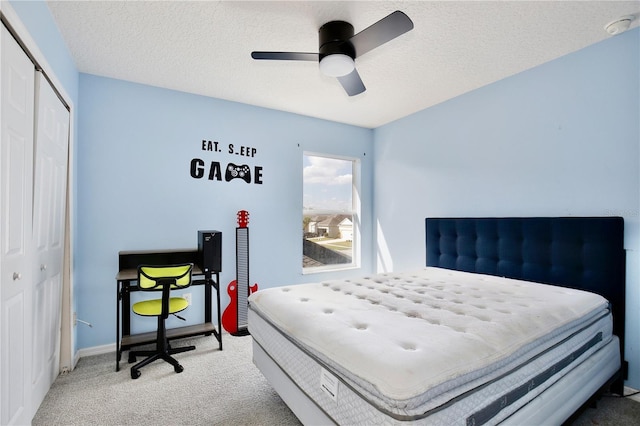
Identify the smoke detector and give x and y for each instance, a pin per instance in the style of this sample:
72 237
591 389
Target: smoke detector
620 25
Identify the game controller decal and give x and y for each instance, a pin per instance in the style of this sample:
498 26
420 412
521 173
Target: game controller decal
241 172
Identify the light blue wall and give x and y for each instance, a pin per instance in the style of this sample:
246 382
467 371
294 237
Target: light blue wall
135 190
558 140
36 17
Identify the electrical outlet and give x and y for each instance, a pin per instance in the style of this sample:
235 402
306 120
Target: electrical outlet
188 297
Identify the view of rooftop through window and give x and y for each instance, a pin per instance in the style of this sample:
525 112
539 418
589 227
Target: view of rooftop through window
328 212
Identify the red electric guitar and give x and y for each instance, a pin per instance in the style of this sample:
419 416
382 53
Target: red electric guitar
234 318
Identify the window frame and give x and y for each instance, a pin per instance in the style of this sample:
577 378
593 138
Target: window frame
356 164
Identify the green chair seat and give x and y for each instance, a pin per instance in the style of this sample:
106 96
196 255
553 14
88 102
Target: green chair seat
153 308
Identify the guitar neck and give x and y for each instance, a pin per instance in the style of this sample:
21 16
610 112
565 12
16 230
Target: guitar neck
242 275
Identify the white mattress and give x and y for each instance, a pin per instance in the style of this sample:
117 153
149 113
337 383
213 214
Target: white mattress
434 343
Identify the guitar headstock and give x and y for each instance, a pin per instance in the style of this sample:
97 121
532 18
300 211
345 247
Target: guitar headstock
243 218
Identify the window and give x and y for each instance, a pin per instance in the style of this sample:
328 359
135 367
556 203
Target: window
330 213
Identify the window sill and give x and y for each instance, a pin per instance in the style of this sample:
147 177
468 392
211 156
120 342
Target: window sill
328 268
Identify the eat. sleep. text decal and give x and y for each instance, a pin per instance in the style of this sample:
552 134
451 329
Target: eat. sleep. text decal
231 171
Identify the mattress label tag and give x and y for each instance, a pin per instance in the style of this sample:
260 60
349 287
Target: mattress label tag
329 384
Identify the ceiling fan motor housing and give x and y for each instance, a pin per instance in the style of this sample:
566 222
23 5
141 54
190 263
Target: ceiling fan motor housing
334 38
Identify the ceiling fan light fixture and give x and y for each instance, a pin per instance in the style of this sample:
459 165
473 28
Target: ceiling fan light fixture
337 65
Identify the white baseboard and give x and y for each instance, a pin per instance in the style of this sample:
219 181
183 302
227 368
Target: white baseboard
103 349
97 350
628 390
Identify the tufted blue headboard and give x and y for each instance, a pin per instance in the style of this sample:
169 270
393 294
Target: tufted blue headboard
579 252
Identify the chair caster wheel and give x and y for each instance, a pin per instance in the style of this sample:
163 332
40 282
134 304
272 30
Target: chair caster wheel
179 368
135 374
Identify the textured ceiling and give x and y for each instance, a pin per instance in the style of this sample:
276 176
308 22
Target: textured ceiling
204 47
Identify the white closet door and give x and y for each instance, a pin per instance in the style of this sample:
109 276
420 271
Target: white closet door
49 195
16 186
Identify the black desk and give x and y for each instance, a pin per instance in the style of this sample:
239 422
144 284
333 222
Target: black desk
127 277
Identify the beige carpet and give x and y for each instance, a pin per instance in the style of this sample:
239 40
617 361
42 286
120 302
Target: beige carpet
216 388
611 411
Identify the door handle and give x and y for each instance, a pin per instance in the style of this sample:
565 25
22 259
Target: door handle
17 276
43 267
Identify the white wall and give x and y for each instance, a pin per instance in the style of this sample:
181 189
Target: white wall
558 140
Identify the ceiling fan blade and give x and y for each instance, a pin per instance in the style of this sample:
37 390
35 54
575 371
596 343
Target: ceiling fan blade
384 30
352 83
286 56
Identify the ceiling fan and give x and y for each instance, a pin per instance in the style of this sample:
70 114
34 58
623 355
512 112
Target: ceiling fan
339 48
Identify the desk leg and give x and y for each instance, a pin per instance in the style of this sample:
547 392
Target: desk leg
124 315
118 301
207 298
217 286
126 309
210 285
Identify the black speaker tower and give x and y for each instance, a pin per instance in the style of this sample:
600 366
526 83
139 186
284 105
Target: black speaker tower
210 251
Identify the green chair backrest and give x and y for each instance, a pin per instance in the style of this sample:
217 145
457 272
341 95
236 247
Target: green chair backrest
151 277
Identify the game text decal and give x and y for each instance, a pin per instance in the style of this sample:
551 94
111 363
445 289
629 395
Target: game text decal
215 170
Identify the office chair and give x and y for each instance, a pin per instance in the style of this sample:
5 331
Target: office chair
161 278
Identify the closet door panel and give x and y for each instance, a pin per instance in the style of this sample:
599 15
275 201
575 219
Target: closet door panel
16 185
49 195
